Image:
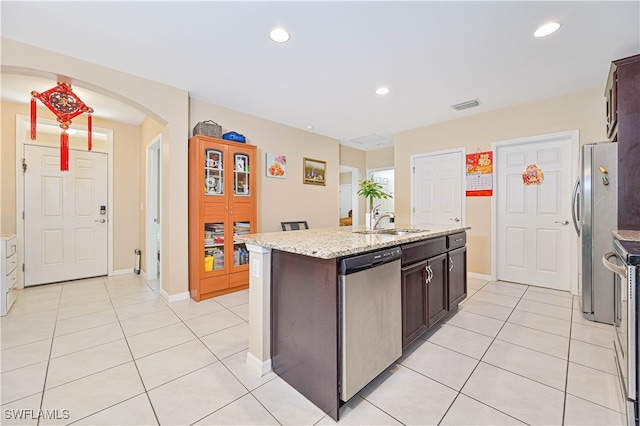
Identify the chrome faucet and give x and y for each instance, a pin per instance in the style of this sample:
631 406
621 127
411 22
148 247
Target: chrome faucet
372 215
390 215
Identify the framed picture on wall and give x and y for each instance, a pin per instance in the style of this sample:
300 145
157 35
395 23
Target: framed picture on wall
276 166
314 171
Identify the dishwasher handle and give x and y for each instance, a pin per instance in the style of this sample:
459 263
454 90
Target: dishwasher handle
353 264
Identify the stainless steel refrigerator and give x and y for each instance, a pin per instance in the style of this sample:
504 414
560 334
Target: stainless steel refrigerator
595 216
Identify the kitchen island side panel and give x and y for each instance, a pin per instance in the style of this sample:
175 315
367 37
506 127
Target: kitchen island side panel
304 326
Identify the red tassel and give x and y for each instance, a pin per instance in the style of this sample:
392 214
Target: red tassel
64 152
33 118
90 126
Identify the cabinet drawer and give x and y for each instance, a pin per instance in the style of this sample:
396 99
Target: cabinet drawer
423 249
12 294
239 279
208 285
11 247
11 262
456 240
12 279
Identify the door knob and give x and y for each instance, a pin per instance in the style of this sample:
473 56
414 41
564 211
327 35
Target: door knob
100 220
455 219
562 222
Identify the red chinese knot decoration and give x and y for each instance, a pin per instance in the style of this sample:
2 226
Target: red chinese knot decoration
65 105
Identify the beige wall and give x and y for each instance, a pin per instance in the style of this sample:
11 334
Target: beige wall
357 158
283 199
125 179
345 178
8 113
168 105
582 110
380 158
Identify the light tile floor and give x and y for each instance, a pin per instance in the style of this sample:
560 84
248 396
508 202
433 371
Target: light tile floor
111 351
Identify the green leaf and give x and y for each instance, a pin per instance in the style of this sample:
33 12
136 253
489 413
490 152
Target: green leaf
372 190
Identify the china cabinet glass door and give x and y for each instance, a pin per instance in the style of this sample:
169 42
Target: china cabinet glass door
213 172
213 246
241 174
240 252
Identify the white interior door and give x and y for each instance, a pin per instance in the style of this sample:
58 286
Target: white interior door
437 190
386 180
153 240
65 231
345 200
532 221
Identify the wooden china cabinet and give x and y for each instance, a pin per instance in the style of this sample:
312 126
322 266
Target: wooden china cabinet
222 203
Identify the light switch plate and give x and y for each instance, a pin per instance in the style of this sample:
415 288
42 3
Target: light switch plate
255 268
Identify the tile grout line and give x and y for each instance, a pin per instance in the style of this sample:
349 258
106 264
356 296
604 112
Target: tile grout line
480 360
135 364
566 376
132 358
46 374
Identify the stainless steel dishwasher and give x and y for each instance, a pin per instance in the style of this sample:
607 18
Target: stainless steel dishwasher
370 317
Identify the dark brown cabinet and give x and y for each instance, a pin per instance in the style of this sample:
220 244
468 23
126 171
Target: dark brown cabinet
415 320
611 96
623 125
457 276
434 281
437 288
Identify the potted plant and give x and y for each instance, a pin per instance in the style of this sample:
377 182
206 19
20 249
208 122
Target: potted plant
371 190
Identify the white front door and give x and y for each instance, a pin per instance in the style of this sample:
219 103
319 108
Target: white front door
65 232
437 190
532 221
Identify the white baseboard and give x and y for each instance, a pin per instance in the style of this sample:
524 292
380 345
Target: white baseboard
478 276
174 297
122 271
261 367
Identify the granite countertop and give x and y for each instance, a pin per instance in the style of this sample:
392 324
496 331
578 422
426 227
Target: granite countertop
626 235
329 243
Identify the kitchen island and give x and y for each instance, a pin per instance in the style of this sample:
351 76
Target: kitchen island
296 307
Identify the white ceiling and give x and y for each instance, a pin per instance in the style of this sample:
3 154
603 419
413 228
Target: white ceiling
430 54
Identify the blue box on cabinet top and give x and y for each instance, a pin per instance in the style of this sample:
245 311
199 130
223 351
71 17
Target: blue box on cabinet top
233 136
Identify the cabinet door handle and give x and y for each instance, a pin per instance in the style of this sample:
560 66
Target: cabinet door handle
430 273
450 264
426 269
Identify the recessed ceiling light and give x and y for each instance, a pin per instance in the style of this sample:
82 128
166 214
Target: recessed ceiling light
279 35
546 29
382 91
310 127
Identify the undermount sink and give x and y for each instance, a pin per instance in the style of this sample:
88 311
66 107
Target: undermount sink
392 231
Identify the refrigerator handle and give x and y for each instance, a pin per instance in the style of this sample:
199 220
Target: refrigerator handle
575 208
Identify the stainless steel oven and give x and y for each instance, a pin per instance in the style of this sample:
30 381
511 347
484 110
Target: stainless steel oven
625 262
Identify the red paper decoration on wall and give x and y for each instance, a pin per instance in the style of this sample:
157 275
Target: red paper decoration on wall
65 105
532 175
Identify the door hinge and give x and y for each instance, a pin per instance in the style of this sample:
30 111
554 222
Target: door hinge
414 169
24 165
414 209
22 214
23 267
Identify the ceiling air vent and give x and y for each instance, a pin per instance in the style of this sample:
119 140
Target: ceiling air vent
466 105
